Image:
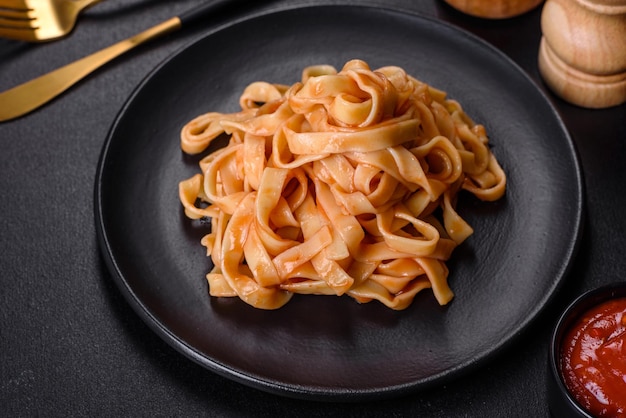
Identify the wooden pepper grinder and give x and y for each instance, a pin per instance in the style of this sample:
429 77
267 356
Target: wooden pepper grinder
582 55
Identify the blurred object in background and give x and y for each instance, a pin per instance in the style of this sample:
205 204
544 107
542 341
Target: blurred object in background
494 9
582 57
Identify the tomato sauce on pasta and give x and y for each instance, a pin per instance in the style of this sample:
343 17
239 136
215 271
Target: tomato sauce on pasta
344 183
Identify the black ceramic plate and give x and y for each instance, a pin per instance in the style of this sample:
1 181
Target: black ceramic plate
330 347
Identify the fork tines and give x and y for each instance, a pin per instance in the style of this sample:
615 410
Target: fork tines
16 15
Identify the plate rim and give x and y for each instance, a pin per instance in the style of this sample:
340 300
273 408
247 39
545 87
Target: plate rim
304 391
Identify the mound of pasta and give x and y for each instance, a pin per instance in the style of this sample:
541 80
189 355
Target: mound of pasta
343 183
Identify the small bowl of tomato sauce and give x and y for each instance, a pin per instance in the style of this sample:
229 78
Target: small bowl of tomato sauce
587 376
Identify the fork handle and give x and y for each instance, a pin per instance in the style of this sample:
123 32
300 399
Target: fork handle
33 94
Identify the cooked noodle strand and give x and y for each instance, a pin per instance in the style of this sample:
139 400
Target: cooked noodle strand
343 183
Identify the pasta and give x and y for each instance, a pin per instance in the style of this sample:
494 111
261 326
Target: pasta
344 183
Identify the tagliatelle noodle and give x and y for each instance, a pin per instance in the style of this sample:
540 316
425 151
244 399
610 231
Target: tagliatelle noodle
344 183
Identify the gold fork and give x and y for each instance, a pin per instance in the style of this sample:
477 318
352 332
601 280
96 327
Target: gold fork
39 20
33 94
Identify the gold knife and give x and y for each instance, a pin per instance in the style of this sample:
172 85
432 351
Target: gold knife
33 94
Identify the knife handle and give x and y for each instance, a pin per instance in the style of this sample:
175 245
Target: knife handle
207 9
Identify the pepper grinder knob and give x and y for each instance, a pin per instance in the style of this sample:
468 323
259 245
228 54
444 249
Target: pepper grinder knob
582 55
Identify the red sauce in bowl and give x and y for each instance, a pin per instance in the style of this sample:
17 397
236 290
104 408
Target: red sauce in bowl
593 359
